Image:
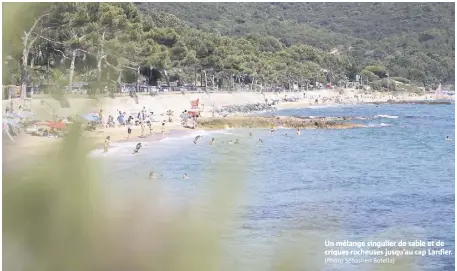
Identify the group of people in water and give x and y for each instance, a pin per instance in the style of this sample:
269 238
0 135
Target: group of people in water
237 141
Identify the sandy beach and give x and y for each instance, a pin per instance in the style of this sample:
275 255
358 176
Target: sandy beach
45 107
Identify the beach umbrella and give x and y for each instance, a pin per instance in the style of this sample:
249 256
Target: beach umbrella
13 115
91 117
26 114
41 123
11 122
57 125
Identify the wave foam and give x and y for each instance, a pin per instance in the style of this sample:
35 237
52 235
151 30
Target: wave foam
387 116
377 125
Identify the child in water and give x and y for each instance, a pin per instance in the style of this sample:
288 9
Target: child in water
213 141
107 140
137 148
185 176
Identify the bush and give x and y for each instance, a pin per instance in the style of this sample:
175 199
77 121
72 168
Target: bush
401 80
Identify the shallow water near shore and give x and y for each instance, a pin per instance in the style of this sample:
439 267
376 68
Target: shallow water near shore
392 180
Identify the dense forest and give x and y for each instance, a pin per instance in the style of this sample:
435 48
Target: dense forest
223 44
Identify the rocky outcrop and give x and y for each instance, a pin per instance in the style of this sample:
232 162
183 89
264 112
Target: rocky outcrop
245 108
273 121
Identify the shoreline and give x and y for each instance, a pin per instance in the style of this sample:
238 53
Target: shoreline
25 145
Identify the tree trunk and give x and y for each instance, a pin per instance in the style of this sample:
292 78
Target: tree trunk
24 72
252 83
25 54
166 78
99 64
72 70
212 80
138 80
206 82
119 78
195 74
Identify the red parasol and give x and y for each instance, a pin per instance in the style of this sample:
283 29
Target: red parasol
57 125
42 123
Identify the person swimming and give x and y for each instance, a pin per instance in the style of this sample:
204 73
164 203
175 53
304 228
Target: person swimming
137 148
196 139
250 134
185 176
260 140
213 141
448 138
237 141
230 142
152 175
272 130
298 131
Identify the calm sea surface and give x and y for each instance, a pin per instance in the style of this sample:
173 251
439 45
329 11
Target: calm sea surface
391 181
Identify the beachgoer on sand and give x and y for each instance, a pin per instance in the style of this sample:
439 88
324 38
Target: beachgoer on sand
137 148
107 141
129 131
142 128
150 127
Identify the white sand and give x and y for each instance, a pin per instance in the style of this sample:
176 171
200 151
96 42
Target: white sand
178 102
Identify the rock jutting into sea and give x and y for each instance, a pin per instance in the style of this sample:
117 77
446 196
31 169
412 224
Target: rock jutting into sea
273 121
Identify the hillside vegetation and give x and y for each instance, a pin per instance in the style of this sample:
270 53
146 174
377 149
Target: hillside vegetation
268 44
412 40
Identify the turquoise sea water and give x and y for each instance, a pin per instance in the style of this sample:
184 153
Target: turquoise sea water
391 181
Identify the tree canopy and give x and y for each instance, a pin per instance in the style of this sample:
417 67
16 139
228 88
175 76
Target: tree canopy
265 43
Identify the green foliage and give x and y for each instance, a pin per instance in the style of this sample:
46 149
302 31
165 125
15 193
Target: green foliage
367 74
272 43
392 33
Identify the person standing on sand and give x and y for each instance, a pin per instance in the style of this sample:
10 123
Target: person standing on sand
150 127
100 116
107 141
142 128
129 131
